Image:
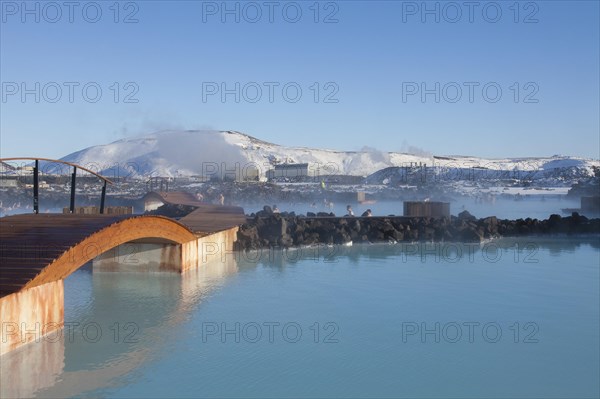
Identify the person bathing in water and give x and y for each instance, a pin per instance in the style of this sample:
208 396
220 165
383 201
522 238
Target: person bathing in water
349 210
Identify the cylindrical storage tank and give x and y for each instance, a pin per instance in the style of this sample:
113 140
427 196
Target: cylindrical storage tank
590 204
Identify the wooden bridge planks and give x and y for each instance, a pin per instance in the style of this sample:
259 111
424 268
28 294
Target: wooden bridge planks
30 243
207 219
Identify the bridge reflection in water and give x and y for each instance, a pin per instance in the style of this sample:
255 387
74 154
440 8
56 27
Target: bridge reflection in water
110 331
38 252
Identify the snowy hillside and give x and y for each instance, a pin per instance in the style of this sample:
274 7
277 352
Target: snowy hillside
197 153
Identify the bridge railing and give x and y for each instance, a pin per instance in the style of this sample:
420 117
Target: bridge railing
36 185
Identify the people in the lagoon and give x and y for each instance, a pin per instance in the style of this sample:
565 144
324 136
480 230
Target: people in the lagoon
199 196
349 210
367 213
221 199
275 209
327 203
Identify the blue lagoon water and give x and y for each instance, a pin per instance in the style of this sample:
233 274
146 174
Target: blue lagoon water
511 318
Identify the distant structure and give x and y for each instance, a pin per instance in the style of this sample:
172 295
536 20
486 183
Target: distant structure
41 184
5 167
288 170
361 198
6 182
430 209
155 199
590 204
158 184
94 210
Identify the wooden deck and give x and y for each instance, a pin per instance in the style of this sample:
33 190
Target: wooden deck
208 219
174 198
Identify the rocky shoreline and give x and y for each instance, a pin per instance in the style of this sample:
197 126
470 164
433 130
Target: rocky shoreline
266 229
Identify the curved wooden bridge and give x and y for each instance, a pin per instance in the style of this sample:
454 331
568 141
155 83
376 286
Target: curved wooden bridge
37 249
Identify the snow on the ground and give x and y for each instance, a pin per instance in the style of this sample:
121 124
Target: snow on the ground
527 190
201 153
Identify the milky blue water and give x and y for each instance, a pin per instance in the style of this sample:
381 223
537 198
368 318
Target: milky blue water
513 318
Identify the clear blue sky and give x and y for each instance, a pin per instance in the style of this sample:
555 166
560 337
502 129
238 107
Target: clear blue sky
375 56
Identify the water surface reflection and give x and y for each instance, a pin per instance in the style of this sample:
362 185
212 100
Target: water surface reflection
114 322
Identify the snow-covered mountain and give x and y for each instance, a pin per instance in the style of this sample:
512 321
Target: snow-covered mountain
197 153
